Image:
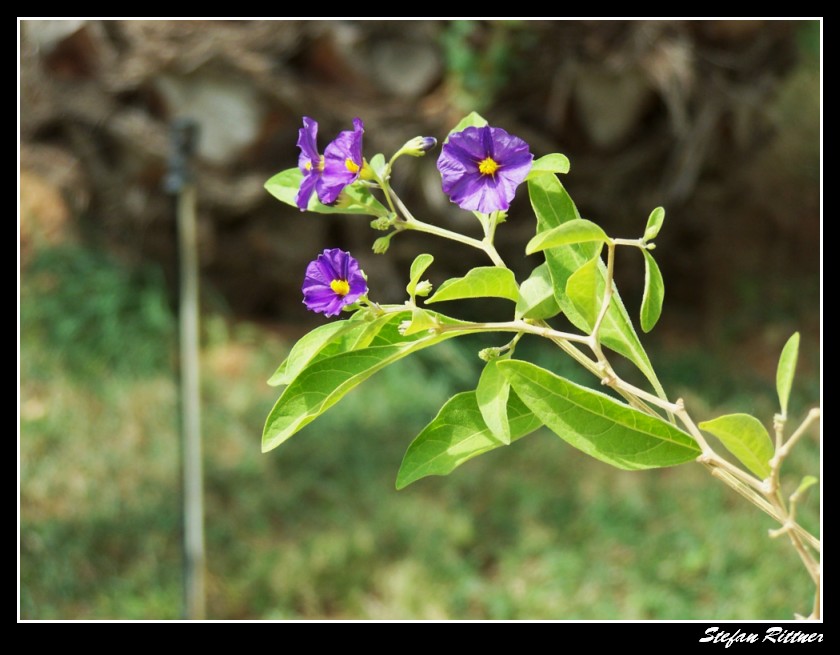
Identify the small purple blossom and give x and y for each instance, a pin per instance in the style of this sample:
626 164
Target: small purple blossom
310 163
332 282
343 162
482 166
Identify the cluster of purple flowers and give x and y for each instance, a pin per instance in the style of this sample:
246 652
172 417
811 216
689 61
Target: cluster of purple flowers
327 174
480 168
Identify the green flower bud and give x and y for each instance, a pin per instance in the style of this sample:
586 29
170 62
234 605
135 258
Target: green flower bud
423 288
380 246
418 146
489 354
383 223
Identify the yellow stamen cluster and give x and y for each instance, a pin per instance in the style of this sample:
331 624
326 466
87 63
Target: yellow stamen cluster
341 287
487 166
352 166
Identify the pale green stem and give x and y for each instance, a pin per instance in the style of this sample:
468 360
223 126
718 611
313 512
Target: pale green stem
516 326
772 483
636 243
779 421
788 515
411 223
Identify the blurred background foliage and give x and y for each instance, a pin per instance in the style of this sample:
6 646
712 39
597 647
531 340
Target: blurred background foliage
719 121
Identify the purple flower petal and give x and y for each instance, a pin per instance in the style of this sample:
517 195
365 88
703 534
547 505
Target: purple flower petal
474 149
342 162
308 144
309 161
333 270
307 186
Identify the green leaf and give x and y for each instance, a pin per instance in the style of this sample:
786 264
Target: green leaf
585 288
654 224
553 206
536 296
327 380
328 340
786 370
577 230
473 119
491 394
377 163
457 434
418 267
598 425
553 163
745 437
355 199
481 282
421 321
305 349
654 293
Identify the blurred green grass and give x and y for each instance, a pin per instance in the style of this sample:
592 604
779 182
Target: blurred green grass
315 528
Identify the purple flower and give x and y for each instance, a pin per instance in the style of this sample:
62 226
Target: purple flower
342 162
482 166
310 163
332 282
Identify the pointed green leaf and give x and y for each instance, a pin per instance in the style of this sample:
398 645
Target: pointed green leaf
553 163
654 224
473 119
553 207
305 348
457 434
418 267
577 230
355 199
745 437
536 296
597 424
786 370
654 293
584 290
481 282
491 394
421 321
326 381
332 339
377 163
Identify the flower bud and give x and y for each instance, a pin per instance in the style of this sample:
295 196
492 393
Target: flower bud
382 223
423 288
380 246
418 146
489 354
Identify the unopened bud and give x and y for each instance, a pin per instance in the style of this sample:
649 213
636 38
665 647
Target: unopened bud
423 288
418 146
489 354
382 223
380 246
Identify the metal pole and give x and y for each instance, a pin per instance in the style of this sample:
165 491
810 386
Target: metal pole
179 181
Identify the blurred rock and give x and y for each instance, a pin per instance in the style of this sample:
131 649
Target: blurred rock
405 68
227 109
